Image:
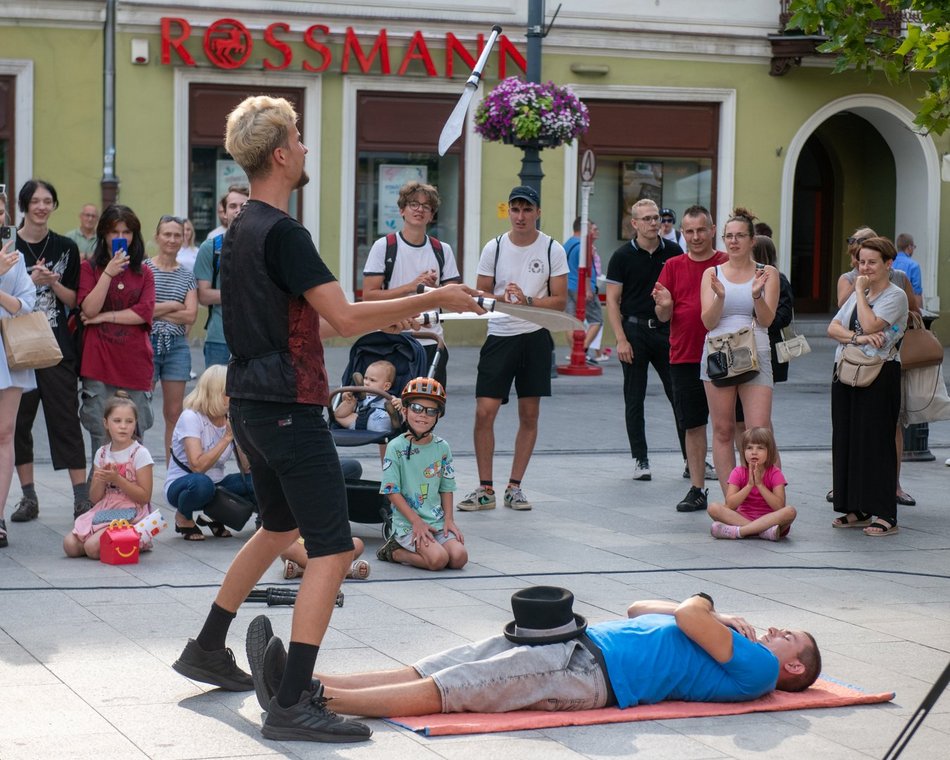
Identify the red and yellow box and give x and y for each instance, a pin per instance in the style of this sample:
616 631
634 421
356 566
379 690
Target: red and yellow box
119 544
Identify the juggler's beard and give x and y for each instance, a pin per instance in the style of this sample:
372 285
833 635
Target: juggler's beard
303 180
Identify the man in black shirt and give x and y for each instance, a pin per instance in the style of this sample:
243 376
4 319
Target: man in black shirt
278 299
53 262
642 339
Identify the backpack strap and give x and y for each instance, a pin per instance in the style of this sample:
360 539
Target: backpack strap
392 248
216 244
550 243
494 280
389 260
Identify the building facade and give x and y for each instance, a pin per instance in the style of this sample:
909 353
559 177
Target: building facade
684 101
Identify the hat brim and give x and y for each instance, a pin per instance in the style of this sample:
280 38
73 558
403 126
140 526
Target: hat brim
555 638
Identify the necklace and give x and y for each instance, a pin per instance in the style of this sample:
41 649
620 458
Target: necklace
30 246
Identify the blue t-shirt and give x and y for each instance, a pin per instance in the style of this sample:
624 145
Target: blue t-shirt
572 247
649 659
912 269
204 270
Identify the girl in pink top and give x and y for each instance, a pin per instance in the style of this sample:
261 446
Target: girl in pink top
755 494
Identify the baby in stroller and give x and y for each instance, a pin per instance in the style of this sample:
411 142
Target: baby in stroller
370 412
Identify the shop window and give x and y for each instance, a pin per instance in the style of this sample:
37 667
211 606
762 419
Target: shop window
7 98
666 152
211 169
396 143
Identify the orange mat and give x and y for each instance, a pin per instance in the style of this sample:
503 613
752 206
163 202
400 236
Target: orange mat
824 693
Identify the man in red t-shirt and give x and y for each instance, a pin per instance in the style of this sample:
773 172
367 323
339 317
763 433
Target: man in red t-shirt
677 301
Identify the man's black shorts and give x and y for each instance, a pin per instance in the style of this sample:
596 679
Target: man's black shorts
296 472
525 359
689 396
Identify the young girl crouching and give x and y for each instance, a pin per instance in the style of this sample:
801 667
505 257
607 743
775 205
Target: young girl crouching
121 485
755 494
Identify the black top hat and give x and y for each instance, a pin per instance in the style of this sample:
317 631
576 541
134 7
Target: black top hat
543 615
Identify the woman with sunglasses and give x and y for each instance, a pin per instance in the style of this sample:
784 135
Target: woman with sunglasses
736 295
176 306
116 299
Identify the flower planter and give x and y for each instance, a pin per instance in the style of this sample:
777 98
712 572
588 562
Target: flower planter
531 115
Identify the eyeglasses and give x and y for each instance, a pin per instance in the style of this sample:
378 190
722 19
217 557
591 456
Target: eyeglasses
730 236
666 220
654 218
416 206
428 411
854 240
170 218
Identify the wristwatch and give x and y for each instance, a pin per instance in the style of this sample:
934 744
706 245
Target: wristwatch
529 301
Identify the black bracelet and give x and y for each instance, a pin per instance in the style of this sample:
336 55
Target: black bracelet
707 597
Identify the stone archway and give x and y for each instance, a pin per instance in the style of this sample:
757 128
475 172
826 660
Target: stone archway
918 176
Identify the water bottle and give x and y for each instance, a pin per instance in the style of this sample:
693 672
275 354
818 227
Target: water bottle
890 337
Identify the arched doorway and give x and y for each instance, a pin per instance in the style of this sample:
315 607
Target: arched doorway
845 179
866 139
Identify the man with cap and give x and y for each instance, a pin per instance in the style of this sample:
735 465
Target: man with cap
550 659
526 267
668 229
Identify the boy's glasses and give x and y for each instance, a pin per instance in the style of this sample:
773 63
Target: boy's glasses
428 411
416 206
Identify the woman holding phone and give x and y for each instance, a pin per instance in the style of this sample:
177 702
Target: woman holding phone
116 300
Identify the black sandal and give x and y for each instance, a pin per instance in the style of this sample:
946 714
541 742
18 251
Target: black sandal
852 520
190 532
217 528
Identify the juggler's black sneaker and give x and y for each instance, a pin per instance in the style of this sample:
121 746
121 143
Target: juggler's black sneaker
310 720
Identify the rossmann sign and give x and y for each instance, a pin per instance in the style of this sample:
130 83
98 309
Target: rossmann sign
228 44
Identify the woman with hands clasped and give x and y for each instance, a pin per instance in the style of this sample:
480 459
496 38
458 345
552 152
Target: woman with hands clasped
736 295
755 500
863 455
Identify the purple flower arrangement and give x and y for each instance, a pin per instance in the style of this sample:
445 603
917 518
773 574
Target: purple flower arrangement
528 112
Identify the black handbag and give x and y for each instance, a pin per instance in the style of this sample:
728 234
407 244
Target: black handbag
225 506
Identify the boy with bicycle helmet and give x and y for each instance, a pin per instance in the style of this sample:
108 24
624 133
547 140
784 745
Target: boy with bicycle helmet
419 479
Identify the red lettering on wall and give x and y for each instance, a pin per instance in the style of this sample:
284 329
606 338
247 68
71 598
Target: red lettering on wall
417 51
325 53
228 43
270 37
169 42
380 47
506 49
454 45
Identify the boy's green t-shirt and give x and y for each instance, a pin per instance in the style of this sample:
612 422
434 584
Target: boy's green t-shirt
421 473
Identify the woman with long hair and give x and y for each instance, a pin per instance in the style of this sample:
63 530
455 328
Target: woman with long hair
116 299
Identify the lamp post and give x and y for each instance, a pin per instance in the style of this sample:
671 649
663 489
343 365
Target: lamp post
531 174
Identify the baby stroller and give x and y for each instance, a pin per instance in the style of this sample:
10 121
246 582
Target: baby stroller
365 504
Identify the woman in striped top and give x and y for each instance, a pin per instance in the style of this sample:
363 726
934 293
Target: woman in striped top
176 306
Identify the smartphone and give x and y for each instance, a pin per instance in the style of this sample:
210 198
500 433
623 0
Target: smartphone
120 245
7 233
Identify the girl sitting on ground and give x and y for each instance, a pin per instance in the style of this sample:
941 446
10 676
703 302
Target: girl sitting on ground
755 494
295 561
121 487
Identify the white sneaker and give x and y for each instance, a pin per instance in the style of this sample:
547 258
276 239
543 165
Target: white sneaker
641 470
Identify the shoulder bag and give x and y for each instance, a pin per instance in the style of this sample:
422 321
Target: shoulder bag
29 342
731 358
791 348
919 347
225 506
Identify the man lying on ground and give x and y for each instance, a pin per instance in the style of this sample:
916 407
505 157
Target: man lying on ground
548 659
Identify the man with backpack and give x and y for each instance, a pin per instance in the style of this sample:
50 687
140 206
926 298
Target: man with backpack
526 267
400 262
207 269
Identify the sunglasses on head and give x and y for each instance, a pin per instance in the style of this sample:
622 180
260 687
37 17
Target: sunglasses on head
428 411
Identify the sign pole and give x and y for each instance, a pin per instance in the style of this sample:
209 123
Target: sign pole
578 365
